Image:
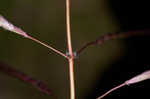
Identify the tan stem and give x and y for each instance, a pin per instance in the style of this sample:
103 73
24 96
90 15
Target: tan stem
68 27
111 90
71 60
53 49
72 83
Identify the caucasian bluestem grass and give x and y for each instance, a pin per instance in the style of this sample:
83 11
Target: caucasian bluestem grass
12 72
70 56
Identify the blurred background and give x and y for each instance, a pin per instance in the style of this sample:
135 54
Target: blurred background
97 69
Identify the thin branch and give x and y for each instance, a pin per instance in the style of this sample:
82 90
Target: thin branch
141 77
111 90
10 27
53 49
71 55
6 69
110 36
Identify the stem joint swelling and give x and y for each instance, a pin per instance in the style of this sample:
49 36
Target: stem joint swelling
74 56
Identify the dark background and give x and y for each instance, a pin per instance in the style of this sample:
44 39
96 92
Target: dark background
132 15
97 69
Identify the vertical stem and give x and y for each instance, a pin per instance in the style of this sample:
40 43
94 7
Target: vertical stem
71 60
68 27
72 84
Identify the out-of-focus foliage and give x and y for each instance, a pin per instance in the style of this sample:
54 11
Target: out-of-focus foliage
45 20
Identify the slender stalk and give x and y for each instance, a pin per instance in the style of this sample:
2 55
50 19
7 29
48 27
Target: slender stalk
111 90
72 83
141 77
68 27
57 51
71 60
